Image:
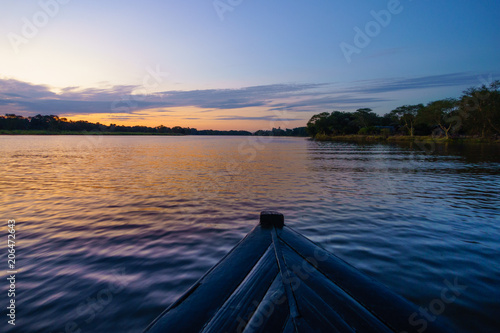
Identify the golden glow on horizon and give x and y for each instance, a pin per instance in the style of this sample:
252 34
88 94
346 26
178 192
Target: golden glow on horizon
194 117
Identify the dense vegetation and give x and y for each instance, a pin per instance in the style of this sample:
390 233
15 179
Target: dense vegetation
51 123
475 114
11 123
299 131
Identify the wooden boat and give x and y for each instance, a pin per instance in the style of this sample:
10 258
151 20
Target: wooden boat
276 280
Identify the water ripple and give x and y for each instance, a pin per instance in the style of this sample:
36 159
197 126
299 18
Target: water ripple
113 230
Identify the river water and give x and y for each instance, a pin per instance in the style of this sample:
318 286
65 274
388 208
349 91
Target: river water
111 230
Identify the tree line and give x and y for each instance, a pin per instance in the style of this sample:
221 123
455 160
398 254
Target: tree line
52 123
298 131
475 113
55 124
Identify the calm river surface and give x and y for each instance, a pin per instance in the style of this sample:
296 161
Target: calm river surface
111 230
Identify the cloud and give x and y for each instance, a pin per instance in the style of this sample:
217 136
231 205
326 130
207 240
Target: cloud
35 99
424 82
267 118
131 117
20 89
328 102
31 99
254 96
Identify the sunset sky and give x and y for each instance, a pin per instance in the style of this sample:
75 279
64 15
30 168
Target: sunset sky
239 64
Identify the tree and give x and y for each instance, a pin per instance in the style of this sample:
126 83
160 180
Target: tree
162 129
13 122
439 113
481 107
318 124
342 123
406 115
366 117
178 130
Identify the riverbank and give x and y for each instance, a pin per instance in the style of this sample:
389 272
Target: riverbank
197 133
400 138
44 132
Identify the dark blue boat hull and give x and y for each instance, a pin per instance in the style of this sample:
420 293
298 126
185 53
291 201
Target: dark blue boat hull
276 280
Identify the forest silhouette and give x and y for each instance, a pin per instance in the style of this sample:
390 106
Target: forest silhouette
475 114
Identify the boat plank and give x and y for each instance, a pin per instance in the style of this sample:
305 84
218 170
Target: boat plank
272 313
317 314
392 309
342 303
199 304
246 298
289 326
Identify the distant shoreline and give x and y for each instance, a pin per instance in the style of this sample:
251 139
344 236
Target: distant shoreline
401 138
12 124
45 132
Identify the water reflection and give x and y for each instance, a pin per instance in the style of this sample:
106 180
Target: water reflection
113 229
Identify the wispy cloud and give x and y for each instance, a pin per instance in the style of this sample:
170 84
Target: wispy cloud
424 82
329 101
34 99
31 99
267 118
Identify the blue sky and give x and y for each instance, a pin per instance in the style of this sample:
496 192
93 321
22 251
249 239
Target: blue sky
239 64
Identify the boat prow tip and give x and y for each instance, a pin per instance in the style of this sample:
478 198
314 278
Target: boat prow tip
269 219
